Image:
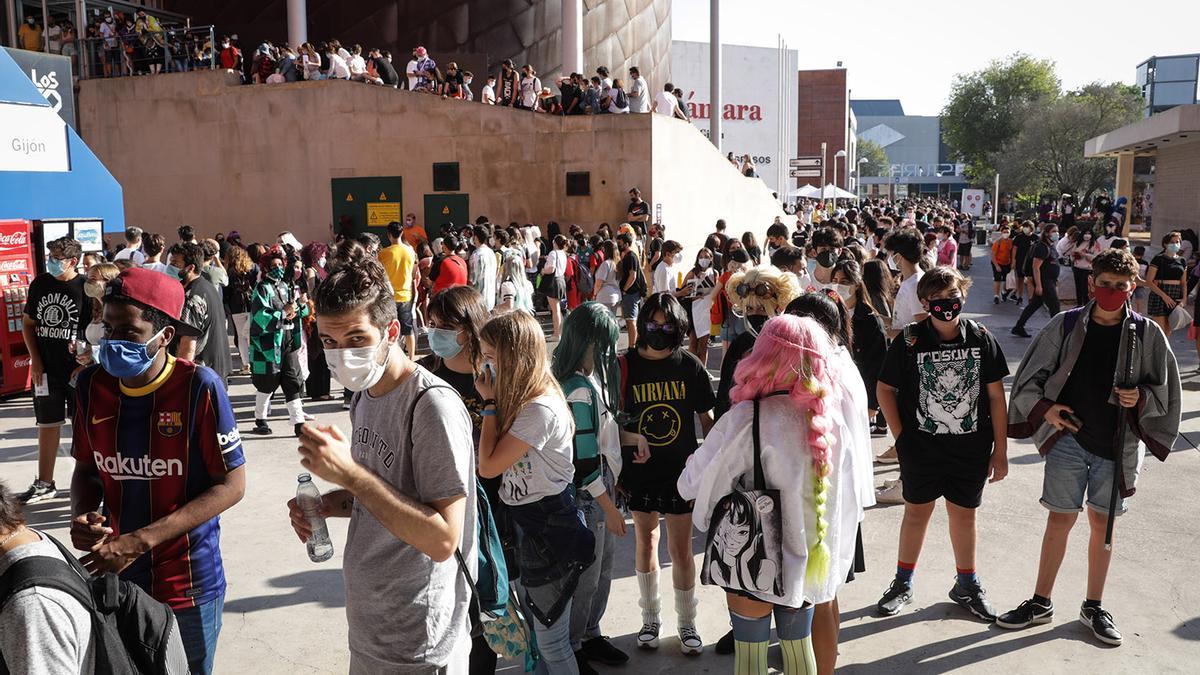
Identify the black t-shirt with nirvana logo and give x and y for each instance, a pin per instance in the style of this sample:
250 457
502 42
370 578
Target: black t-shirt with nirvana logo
942 386
662 398
61 311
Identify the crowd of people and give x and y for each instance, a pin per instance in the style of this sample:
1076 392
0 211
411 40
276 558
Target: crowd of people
533 453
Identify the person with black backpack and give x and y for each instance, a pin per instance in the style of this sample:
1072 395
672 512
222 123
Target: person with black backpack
53 618
409 490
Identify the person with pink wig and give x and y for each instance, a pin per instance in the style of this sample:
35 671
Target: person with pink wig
786 401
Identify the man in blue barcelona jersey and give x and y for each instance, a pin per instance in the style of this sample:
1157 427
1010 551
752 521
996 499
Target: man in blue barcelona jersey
157 443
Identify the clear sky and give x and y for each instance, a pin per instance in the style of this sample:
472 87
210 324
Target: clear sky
912 50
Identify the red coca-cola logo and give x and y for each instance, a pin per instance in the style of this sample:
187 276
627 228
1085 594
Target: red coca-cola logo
14 265
22 362
14 239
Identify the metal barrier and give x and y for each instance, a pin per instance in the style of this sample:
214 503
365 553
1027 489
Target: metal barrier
146 53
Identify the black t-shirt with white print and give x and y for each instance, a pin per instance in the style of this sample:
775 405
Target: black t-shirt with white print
62 312
942 386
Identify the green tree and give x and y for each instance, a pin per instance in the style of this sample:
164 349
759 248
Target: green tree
987 108
877 161
1047 153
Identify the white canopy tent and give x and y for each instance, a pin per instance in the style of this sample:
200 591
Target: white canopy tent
832 191
806 191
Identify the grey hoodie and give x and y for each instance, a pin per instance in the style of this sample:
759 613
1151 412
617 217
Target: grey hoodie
1043 374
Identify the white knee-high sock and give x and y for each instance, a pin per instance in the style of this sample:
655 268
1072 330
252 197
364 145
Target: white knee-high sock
649 601
685 607
295 408
262 406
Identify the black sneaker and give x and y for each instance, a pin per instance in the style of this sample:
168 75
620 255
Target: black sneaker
601 650
1101 623
261 428
1029 613
974 600
582 664
879 431
648 636
39 491
995 299
1019 332
725 644
894 598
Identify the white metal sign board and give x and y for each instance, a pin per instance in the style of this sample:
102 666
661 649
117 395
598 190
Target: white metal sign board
805 173
32 138
805 162
972 202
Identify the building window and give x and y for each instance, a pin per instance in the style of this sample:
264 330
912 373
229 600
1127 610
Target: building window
445 177
579 183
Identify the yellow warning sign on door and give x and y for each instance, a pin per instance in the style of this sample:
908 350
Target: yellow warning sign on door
349 197
382 197
379 214
445 210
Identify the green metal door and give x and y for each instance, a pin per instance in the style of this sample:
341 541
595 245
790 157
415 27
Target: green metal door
445 209
366 204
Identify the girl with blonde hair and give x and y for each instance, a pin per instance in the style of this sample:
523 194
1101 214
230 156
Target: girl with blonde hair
787 413
526 439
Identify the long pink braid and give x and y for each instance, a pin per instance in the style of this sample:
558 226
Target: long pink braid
790 354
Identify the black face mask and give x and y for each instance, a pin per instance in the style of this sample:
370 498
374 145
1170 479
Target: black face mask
659 340
756 322
945 309
827 258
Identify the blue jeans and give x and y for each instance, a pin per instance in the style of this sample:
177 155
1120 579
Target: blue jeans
554 641
591 595
199 627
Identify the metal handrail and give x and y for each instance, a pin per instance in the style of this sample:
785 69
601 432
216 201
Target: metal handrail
171 50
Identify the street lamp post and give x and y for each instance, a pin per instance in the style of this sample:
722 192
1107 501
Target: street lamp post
840 154
858 184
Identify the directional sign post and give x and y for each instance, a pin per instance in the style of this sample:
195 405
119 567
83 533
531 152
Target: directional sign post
805 173
805 163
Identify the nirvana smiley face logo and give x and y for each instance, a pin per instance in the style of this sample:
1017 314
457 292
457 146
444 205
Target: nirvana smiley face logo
660 425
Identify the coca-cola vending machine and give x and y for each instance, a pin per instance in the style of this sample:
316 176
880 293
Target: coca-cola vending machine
17 270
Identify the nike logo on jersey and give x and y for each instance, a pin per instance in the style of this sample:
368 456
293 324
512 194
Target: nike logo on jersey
99 420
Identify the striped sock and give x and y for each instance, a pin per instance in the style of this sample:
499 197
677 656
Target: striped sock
904 571
750 658
798 657
967 577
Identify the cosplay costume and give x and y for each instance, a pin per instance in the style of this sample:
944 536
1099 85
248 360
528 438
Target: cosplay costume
275 347
784 287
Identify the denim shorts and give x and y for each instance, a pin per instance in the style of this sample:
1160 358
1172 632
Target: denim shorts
1070 471
630 304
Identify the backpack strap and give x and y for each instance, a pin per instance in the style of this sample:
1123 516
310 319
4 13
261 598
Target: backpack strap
760 479
1070 318
44 572
623 362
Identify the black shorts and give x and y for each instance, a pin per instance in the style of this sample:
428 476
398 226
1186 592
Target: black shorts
553 287
404 312
53 409
953 467
999 272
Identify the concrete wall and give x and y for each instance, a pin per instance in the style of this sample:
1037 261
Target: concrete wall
696 185
197 148
1176 190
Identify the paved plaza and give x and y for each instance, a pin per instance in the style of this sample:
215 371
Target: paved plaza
284 614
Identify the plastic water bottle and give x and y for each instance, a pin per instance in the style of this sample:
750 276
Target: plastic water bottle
308 497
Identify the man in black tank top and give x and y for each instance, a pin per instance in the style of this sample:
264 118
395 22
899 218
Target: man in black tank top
508 84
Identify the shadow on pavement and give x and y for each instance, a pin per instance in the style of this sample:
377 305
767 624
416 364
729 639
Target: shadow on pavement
324 586
1188 630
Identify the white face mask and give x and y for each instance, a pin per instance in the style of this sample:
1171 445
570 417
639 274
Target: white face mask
357 368
678 258
844 291
93 333
704 263
892 263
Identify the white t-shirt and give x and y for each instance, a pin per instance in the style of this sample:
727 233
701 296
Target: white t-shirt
546 426
666 278
133 254
639 96
612 102
530 88
907 306
337 67
665 103
357 65
159 267
489 94
411 71
556 263
610 288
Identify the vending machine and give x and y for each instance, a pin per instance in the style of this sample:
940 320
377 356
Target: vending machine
17 270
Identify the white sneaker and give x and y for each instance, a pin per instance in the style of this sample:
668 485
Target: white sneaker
888 456
890 494
689 640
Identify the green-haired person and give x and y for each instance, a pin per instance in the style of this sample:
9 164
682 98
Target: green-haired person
585 364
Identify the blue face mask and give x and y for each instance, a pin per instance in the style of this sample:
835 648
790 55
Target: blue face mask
55 267
123 358
444 342
174 272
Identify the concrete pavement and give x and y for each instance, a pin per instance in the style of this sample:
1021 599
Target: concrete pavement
284 614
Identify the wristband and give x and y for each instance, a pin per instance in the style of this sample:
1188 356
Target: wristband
487 413
487 402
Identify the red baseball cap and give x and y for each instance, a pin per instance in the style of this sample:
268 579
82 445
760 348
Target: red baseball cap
151 289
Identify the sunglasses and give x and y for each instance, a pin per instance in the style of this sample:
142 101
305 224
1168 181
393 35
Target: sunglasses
665 328
761 289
